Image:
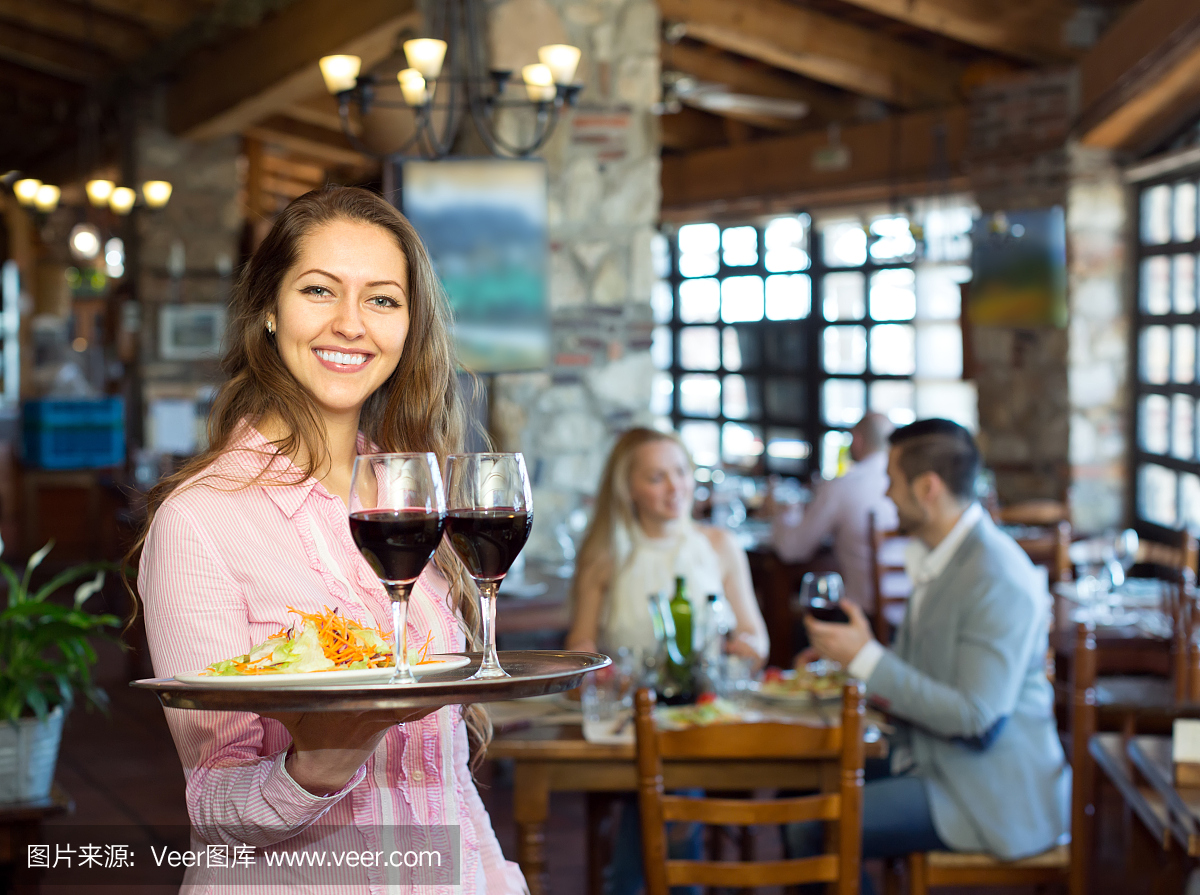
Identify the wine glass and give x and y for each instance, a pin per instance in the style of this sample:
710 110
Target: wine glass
490 513
397 513
820 594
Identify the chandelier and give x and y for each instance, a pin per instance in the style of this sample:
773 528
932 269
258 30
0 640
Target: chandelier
449 75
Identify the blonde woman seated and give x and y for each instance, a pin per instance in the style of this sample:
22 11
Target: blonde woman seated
641 538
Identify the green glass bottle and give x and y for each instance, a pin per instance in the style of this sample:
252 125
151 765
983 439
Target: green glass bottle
681 613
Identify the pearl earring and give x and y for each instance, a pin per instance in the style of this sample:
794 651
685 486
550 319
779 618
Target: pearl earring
271 327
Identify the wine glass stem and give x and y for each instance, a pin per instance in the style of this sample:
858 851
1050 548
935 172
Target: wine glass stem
490 666
399 594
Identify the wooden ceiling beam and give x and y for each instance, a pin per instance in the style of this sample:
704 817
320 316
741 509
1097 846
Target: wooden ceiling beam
909 147
160 16
265 69
308 141
68 20
1029 31
321 111
49 55
690 129
19 79
820 47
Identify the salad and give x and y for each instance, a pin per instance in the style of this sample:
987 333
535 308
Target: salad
319 642
819 680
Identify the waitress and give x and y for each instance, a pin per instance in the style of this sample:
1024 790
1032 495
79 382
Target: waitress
338 345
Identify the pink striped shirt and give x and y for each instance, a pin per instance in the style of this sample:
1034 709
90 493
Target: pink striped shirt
221 563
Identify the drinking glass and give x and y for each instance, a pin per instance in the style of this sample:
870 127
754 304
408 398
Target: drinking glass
490 513
397 513
820 593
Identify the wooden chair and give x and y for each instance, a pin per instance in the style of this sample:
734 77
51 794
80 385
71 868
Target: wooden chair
1042 513
1064 865
889 579
842 746
1051 548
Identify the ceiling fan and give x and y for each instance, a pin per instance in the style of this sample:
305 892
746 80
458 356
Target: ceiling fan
680 89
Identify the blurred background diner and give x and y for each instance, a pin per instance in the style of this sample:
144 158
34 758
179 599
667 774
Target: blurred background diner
762 234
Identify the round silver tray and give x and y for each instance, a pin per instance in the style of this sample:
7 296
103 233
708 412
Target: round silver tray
533 673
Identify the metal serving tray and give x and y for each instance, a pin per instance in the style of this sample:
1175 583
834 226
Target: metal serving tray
533 673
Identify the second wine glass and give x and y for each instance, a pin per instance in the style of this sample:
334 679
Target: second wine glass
489 516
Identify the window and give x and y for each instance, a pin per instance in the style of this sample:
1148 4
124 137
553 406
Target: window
1167 446
773 338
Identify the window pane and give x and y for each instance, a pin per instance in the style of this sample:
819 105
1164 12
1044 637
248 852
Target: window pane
741 445
661 301
698 245
845 349
699 301
955 401
948 234
786 240
939 293
699 348
835 448
1184 212
731 349
660 256
894 349
1156 494
1183 427
895 239
1154 423
1189 487
1156 354
893 295
843 296
1184 270
895 400
1156 285
785 399
660 347
740 398
844 401
699 395
845 244
1183 357
661 391
786 450
742 299
1156 215
702 441
789 297
786 348
740 245
939 351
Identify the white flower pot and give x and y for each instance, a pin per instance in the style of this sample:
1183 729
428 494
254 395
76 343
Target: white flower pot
28 753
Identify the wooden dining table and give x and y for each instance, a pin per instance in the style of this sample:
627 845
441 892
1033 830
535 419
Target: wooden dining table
555 757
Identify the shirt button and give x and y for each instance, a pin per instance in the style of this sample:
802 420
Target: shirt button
417 776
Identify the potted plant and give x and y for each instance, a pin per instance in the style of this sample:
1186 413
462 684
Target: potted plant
46 661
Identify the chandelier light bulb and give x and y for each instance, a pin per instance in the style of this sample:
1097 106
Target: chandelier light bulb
412 85
26 190
47 197
562 60
157 193
98 192
340 72
122 199
426 55
85 242
539 82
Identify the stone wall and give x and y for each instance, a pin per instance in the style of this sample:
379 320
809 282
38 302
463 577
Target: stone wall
604 204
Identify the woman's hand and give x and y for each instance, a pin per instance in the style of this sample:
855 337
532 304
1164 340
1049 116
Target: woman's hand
581 643
745 644
328 748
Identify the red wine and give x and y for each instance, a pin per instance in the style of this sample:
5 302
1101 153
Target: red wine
397 543
488 541
827 611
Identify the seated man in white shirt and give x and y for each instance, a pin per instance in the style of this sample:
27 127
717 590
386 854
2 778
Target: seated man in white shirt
839 510
976 763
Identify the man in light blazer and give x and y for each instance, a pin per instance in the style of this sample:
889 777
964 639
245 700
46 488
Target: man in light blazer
976 764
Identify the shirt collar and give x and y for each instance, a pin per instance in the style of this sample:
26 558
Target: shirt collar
924 565
282 481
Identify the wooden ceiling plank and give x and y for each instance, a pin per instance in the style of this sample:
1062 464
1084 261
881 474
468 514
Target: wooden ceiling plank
292 169
26 80
306 140
689 130
160 16
68 20
63 59
900 148
1029 31
267 68
821 47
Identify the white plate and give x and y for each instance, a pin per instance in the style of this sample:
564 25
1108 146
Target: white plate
362 677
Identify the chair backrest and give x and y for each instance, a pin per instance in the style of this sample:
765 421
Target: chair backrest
1083 726
766 741
1051 548
1033 512
888 577
1179 604
1183 552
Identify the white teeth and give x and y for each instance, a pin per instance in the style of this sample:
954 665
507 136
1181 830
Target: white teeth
338 357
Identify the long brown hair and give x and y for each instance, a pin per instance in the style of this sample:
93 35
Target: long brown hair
615 512
419 408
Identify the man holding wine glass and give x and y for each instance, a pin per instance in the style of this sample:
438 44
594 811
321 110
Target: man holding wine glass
339 350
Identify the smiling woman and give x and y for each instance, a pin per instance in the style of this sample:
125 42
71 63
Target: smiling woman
339 345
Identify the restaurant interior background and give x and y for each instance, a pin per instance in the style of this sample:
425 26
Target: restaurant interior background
761 218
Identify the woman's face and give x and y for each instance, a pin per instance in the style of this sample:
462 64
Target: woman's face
343 314
660 482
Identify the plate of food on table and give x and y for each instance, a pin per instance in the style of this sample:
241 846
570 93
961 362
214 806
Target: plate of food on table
814 682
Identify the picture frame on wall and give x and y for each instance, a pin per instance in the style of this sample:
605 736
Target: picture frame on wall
191 331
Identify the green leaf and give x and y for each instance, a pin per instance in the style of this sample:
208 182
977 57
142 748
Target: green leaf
16 593
66 577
